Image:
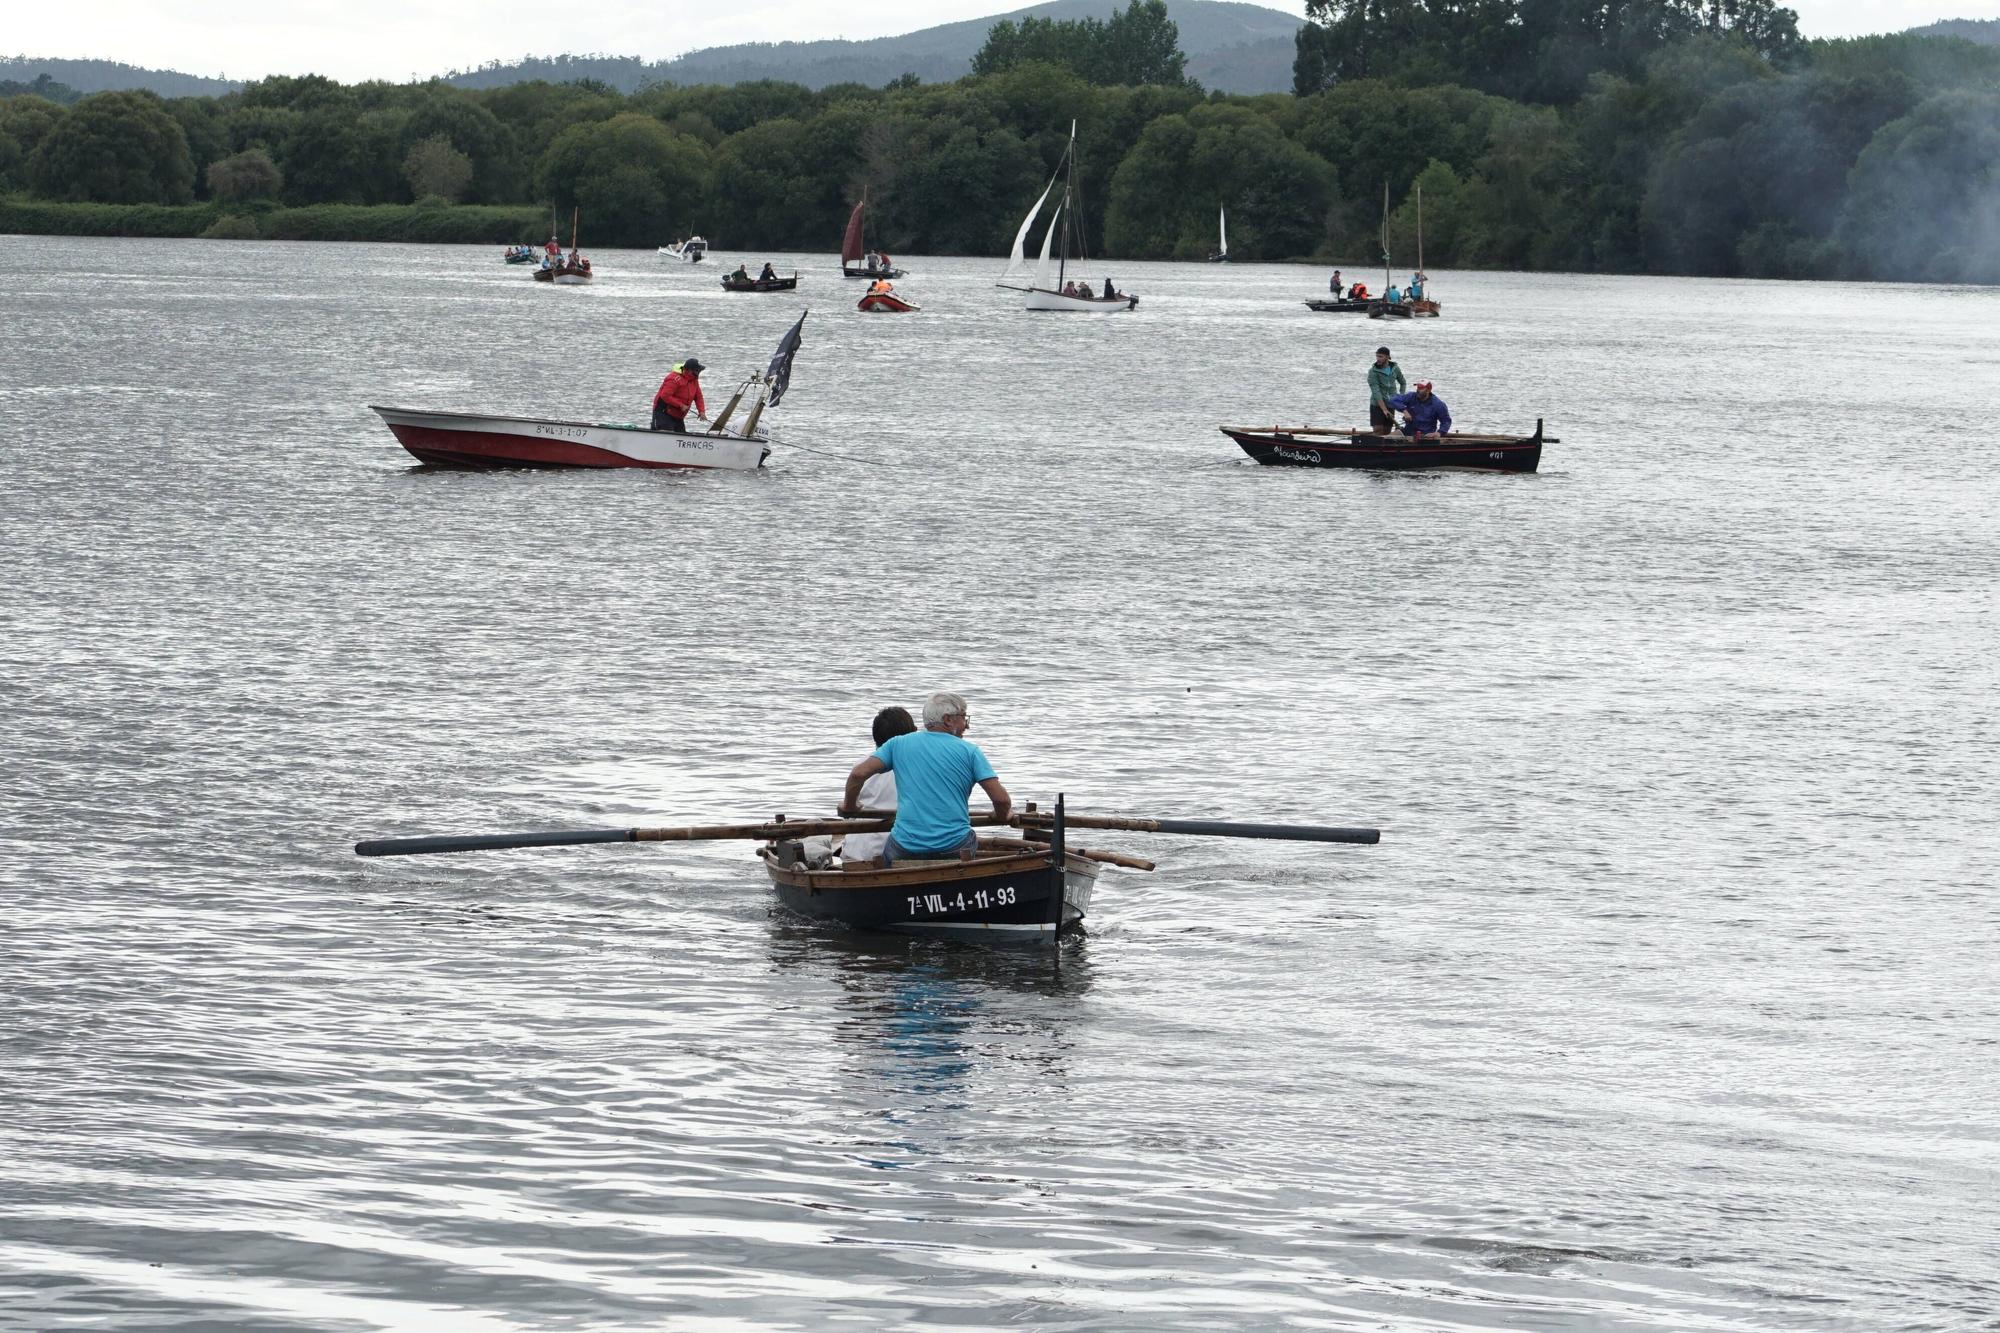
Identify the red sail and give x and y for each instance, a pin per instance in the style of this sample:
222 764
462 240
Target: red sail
850 244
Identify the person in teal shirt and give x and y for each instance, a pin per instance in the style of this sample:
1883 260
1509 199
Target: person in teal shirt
1385 381
936 770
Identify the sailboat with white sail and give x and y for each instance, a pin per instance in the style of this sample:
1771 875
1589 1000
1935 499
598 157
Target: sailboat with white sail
1049 287
1221 254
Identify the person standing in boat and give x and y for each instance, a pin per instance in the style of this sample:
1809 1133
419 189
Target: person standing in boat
678 391
1334 286
1385 381
936 770
1424 413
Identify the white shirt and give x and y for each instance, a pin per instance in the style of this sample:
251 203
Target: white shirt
877 793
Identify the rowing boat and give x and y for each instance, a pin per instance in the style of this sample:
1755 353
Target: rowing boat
1010 890
1317 446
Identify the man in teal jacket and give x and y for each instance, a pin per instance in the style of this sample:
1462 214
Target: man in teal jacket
1385 381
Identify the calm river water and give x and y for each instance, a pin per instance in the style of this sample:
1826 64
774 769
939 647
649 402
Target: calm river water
1667 1001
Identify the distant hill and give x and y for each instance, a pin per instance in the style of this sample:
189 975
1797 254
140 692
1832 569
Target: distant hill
102 76
1231 47
1984 31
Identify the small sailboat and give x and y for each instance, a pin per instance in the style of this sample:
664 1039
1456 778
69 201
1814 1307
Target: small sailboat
1050 289
1221 254
571 270
1416 302
856 260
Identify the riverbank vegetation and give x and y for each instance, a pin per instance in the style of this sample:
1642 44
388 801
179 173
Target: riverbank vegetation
1691 137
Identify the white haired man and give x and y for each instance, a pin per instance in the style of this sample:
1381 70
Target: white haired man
936 770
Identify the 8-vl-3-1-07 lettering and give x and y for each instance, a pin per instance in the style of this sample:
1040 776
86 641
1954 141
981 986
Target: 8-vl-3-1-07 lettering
977 900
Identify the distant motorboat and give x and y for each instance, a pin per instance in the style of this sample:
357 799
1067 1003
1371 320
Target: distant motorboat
691 251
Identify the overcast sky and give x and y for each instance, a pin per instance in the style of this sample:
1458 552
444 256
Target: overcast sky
352 40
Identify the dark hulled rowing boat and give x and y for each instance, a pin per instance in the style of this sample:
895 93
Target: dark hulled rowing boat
1033 888
1012 890
1315 446
731 283
1340 306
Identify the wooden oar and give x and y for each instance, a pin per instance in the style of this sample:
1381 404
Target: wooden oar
486 842
1210 828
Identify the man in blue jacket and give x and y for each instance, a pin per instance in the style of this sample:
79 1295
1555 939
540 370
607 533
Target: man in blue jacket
936 770
1424 413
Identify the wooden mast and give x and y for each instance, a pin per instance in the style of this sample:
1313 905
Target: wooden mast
1385 236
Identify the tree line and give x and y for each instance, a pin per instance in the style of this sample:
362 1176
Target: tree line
1665 136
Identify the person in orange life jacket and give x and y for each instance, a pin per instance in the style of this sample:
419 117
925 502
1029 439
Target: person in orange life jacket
681 387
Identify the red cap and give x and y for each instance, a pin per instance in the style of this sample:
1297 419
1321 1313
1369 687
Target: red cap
1423 384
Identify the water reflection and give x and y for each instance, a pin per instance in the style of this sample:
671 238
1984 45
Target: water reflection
932 1031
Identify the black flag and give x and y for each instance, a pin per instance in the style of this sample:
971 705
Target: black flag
779 376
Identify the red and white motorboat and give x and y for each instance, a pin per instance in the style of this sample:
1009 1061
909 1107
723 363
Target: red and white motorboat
732 442
473 440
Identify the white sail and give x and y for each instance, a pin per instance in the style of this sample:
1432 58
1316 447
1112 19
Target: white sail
1222 226
1043 279
1018 265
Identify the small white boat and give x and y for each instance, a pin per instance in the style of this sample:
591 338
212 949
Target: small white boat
690 251
1049 287
734 441
474 440
1221 254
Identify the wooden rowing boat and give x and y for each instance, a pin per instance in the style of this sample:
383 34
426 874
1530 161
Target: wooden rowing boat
1318 446
1036 887
1011 890
732 283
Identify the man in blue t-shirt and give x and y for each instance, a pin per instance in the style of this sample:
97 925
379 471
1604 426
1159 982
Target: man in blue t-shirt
936 770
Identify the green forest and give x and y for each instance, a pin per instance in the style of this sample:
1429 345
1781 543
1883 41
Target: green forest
1621 136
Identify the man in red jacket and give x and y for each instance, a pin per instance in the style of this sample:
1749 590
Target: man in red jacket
681 387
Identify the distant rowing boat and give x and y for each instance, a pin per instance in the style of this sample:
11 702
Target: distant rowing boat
1316 446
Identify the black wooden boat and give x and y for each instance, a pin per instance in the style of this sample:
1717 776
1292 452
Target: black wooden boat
1339 306
1011 890
1315 446
732 283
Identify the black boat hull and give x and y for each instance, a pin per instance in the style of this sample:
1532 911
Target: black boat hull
761 285
1001 897
1393 452
1341 307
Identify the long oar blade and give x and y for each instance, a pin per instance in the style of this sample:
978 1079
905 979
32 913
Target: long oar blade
487 842
1216 828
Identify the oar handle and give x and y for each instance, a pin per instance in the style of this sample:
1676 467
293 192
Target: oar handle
1213 828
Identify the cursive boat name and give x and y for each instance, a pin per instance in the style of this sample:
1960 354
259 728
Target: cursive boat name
563 432
930 904
1296 455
